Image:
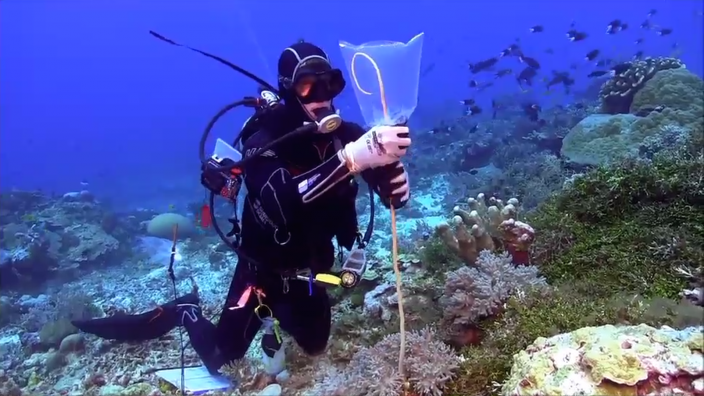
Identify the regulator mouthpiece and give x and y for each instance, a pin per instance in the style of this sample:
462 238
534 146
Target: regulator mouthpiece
327 120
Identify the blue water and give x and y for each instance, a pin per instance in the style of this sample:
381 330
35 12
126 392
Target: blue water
86 94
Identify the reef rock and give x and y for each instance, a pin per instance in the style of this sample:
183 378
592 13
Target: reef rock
609 361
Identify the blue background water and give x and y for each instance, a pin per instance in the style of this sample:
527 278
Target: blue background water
87 94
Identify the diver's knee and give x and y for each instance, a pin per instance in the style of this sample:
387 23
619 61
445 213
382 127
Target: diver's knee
314 350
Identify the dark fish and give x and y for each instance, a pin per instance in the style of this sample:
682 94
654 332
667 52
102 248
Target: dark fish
597 73
559 78
640 41
495 107
472 110
576 36
467 102
613 26
567 83
652 12
638 55
529 61
621 67
474 128
503 72
513 49
664 31
526 76
532 110
473 171
482 65
536 29
646 24
484 86
479 86
591 55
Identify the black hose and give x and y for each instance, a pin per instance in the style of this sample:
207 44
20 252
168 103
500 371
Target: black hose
305 129
219 59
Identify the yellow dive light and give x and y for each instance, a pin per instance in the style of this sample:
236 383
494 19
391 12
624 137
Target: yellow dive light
329 279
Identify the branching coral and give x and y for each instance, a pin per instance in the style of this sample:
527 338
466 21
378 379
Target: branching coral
483 226
373 371
473 293
617 93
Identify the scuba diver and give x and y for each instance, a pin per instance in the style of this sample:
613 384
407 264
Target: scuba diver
300 195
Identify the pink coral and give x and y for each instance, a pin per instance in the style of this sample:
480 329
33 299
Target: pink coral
517 237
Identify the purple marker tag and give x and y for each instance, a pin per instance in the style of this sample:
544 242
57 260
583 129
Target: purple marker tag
310 284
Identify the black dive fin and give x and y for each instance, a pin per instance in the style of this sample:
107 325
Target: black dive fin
140 327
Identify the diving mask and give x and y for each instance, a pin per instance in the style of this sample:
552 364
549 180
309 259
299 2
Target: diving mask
314 80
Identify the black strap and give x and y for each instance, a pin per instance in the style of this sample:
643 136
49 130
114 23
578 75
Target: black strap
364 241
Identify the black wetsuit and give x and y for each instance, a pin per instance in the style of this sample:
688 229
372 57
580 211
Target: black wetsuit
282 233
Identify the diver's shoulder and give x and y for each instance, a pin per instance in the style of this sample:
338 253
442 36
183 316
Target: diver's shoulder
260 138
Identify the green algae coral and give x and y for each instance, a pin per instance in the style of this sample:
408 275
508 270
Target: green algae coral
624 228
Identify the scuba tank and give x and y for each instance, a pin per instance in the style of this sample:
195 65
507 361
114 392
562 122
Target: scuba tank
273 351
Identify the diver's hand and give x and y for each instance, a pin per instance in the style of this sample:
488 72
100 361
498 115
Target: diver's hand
393 186
380 146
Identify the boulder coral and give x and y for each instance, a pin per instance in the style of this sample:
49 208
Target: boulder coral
668 106
611 361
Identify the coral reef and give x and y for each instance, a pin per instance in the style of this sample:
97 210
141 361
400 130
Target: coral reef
667 110
487 226
430 364
611 360
617 93
47 237
474 293
547 314
615 206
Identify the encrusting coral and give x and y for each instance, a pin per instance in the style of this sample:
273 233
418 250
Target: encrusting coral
484 227
611 360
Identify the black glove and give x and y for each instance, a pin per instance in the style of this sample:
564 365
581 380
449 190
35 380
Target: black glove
392 185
